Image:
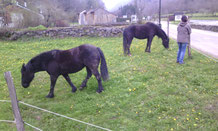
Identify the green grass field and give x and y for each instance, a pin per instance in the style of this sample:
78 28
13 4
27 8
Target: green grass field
204 16
147 91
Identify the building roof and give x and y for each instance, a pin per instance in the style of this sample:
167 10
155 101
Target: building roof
93 11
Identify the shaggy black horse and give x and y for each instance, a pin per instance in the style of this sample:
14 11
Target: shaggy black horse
145 31
63 62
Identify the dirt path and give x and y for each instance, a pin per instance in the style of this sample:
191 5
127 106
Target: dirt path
203 41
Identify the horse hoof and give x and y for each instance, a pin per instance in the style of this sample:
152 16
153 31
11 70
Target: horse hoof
129 54
74 90
99 91
81 88
49 96
148 51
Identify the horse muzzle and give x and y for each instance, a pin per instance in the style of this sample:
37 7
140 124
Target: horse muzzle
25 85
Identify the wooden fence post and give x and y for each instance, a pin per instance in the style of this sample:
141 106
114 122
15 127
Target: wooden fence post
189 49
168 27
14 102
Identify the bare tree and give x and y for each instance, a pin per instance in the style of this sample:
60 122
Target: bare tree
150 7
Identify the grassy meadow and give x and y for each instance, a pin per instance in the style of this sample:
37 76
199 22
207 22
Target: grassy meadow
147 91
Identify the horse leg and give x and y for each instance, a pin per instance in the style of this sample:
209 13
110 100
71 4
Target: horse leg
148 47
128 46
53 80
146 50
98 77
67 78
89 74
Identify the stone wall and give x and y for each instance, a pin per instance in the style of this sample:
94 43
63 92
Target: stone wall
79 31
205 27
76 31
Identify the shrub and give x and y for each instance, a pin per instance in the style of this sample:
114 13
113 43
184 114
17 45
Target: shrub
62 23
40 27
5 33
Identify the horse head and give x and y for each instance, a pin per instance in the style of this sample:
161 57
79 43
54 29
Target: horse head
164 37
27 76
165 42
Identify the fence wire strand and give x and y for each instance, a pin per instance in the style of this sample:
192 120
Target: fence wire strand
53 114
64 116
5 101
9 121
32 126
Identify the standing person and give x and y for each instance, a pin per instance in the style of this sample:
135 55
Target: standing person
183 38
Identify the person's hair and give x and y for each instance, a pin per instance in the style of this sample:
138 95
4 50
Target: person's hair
184 18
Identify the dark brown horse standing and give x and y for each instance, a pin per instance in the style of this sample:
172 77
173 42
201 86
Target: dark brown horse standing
63 62
145 31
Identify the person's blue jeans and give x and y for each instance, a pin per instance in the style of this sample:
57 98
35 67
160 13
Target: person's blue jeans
181 52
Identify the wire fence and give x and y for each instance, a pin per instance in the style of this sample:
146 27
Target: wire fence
17 117
10 121
54 113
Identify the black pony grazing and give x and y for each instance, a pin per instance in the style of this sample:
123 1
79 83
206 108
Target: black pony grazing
63 62
145 31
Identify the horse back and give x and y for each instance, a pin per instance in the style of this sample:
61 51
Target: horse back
140 31
89 54
75 59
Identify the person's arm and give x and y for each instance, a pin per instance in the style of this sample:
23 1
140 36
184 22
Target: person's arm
189 29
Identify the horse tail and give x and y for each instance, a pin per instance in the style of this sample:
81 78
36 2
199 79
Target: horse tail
125 41
103 68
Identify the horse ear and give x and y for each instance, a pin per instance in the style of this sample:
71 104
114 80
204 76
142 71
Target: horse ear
23 67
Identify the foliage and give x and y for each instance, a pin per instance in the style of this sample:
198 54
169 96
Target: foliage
40 27
151 7
147 91
7 2
127 10
5 33
62 23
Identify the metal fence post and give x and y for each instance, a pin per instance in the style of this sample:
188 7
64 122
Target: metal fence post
14 102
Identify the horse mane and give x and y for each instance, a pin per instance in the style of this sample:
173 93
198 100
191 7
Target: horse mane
38 62
161 33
